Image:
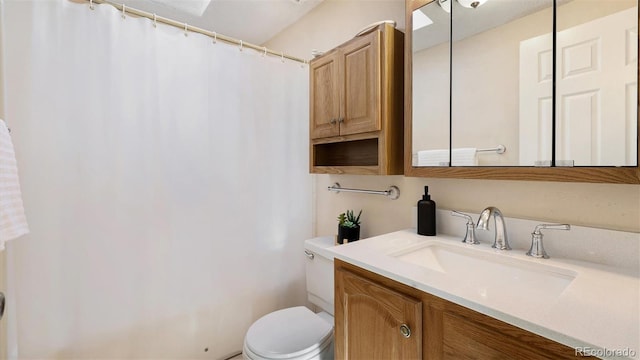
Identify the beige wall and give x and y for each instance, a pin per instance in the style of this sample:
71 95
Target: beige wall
599 205
333 22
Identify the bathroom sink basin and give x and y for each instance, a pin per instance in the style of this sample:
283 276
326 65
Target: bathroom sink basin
488 274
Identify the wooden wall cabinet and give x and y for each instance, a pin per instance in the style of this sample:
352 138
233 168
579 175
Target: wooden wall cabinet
370 308
356 106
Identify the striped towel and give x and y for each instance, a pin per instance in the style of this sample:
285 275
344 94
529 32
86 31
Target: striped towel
13 223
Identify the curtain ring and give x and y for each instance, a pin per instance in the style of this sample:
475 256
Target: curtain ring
241 44
215 37
155 23
186 30
91 5
265 51
124 11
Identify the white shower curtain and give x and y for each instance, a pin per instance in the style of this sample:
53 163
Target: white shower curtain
165 180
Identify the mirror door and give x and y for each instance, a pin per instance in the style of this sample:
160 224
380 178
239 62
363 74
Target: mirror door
502 82
431 32
596 83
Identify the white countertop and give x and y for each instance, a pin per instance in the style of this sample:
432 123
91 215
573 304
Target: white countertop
599 309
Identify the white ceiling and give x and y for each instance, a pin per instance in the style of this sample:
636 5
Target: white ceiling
253 21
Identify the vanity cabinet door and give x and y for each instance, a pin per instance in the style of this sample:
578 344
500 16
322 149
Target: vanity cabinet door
456 332
476 338
375 322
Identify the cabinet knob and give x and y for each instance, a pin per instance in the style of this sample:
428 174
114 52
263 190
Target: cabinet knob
340 121
333 121
405 330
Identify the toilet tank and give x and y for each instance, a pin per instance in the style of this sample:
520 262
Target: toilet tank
319 267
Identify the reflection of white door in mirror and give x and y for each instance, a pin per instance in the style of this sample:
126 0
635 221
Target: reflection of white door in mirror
536 111
596 89
596 92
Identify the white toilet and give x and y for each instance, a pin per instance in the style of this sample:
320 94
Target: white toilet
298 333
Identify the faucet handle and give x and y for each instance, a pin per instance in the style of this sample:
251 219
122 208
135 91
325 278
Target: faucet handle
470 236
462 215
551 227
537 248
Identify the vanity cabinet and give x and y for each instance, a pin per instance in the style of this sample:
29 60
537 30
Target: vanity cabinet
370 309
356 105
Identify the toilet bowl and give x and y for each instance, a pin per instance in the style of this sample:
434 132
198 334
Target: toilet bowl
293 333
298 333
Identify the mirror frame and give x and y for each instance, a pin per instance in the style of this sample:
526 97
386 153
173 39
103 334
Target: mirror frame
600 174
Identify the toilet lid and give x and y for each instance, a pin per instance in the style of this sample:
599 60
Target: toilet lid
288 333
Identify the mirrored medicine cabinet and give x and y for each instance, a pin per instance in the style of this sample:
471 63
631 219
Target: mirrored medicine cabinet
522 90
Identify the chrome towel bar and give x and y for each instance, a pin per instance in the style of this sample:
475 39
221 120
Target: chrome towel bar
393 192
500 149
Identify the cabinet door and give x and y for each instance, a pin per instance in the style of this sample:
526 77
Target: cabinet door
362 97
370 320
325 97
458 333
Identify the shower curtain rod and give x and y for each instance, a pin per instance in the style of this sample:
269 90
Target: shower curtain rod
212 34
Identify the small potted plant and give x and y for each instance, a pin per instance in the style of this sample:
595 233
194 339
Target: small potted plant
348 227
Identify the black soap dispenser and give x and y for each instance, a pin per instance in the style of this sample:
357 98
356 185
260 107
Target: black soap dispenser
426 214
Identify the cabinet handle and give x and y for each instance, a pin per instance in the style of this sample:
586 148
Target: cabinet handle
405 330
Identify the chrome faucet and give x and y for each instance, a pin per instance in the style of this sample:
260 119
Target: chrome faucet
501 242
